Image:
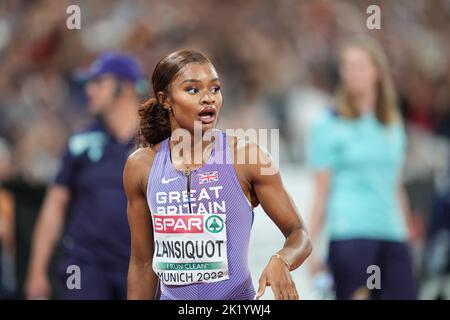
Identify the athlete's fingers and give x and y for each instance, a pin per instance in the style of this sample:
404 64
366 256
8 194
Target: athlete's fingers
261 288
292 295
277 292
295 292
287 292
288 296
291 291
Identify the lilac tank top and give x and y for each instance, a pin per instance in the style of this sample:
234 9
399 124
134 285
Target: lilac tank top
200 241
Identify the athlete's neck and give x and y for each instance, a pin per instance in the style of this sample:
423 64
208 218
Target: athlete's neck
190 155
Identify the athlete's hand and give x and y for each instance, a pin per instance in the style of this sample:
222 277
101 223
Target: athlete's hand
37 287
278 277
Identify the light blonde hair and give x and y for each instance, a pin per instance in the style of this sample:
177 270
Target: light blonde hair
386 109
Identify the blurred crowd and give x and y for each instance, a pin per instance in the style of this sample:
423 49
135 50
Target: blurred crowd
278 65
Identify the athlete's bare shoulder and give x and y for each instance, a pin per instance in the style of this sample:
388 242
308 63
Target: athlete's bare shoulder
247 152
143 155
138 166
238 145
251 158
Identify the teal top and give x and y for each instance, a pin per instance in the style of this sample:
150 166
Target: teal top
365 159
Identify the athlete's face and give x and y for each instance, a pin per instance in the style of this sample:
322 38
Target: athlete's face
100 93
194 95
358 71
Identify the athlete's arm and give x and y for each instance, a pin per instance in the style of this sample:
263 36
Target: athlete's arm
142 281
46 233
278 205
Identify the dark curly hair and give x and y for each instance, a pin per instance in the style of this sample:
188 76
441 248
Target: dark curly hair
154 118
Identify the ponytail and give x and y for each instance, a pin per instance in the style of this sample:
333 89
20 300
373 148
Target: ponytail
154 123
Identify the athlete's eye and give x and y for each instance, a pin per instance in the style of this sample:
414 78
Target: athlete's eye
215 89
192 90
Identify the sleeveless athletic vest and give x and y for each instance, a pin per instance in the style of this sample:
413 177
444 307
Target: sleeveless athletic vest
201 226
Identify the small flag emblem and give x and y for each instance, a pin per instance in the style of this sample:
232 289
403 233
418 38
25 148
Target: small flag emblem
208 177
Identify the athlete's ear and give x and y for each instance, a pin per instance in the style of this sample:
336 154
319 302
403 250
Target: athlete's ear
163 99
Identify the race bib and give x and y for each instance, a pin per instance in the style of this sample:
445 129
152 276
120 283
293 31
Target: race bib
190 248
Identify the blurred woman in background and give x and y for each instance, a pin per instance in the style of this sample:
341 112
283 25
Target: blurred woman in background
357 152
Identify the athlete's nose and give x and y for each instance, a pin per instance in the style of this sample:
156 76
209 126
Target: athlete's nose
208 99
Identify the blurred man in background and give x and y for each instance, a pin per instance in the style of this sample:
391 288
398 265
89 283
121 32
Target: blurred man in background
88 191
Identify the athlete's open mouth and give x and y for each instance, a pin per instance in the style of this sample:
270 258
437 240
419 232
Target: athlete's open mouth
207 115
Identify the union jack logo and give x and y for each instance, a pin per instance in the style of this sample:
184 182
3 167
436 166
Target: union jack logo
208 177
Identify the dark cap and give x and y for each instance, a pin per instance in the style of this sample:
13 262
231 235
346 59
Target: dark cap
123 66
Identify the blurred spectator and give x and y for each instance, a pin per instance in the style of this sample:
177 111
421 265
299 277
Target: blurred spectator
86 203
436 271
357 154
